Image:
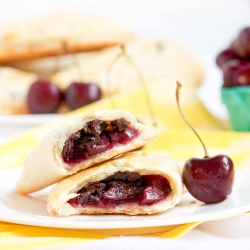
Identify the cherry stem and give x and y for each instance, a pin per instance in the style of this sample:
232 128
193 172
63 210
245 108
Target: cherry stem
177 99
57 59
141 78
74 60
108 78
77 66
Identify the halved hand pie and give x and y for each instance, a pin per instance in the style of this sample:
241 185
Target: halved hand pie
80 144
135 183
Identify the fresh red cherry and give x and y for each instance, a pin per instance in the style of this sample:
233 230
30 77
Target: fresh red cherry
43 97
225 56
242 44
235 73
208 179
242 76
229 70
80 94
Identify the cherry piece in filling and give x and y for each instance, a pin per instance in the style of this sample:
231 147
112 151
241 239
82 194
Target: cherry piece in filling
96 137
123 188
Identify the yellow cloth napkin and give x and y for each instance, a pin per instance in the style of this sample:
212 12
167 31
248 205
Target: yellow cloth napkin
173 136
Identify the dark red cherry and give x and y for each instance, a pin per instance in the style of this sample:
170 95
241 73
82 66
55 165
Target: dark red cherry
242 76
225 56
242 43
209 179
80 94
231 71
44 97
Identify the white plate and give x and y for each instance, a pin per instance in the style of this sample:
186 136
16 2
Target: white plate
14 124
31 210
31 119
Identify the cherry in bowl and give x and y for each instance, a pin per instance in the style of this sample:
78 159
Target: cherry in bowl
225 56
242 43
236 73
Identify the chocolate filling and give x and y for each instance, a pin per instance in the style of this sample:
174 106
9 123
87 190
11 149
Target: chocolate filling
123 188
95 137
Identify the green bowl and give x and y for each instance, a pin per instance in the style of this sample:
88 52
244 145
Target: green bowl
237 101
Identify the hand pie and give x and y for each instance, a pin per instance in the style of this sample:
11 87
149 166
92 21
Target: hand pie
14 86
156 58
56 34
80 144
135 183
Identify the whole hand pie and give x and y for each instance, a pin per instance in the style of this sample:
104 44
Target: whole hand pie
135 183
80 144
56 34
156 58
14 86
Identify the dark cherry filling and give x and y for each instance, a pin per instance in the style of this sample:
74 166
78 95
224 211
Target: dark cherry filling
123 187
95 137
